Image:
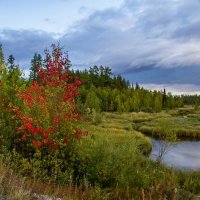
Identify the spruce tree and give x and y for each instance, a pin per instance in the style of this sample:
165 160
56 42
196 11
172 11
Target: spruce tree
68 64
164 99
11 62
36 63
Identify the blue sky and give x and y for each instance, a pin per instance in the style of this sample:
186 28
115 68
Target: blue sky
153 42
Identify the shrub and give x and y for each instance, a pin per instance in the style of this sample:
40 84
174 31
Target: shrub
11 82
97 118
108 162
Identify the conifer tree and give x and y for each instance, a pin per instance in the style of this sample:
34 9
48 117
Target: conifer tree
137 87
68 62
36 63
164 99
11 62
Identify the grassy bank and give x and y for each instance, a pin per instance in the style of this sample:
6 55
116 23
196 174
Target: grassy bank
110 163
185 122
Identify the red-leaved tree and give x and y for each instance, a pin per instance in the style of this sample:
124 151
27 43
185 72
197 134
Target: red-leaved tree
48 117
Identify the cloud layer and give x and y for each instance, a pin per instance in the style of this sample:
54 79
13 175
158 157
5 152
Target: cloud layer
150 40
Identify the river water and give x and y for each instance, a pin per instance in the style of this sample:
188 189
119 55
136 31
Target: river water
183 155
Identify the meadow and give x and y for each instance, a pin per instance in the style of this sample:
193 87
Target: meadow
185 122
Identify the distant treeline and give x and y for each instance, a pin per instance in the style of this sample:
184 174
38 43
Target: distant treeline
103 91
191 99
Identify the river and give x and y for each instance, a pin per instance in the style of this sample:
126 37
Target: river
183 155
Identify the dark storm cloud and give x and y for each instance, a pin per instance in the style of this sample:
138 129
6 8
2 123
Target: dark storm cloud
183 75
24 43
141 35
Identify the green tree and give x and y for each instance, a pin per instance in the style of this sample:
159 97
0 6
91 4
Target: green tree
94 75
137 87
164 99
120 105
103 95
119 82
136 101
11 82
11 62
196 105
148 101
105 73
68 62
36 63
158 102
2 61
92 101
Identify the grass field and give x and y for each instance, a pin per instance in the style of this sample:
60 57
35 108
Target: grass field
114 163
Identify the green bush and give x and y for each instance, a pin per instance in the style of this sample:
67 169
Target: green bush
97 117
11 82
108 163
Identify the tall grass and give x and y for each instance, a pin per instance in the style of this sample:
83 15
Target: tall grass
12 186
15 187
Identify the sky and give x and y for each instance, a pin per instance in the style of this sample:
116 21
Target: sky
153 42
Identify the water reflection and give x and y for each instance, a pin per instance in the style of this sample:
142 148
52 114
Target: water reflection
184 155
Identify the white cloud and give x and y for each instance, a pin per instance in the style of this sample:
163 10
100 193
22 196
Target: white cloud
175 89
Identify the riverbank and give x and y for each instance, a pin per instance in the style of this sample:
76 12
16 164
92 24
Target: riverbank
110 163
185 122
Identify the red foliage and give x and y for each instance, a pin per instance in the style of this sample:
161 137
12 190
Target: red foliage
49 110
